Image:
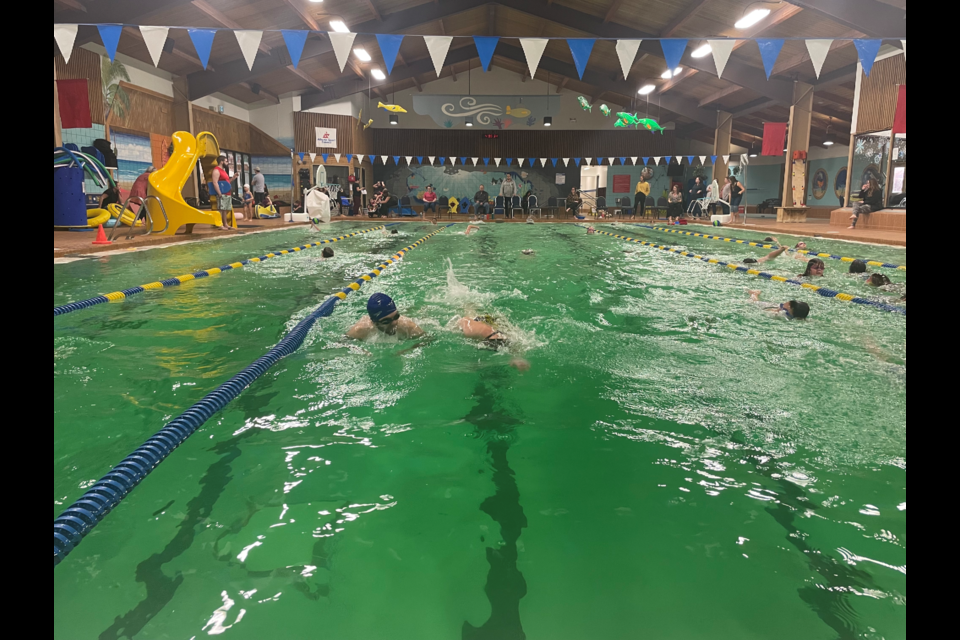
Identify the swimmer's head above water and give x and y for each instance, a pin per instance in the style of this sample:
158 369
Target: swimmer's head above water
383 313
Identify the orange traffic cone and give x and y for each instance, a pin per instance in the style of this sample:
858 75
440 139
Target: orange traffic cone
101 237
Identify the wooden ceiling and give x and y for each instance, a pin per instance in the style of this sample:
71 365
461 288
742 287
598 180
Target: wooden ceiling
691 99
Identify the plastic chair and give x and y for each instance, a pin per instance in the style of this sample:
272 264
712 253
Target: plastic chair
552 207
601 206
500 206
405 209
516 204
626 207
533 206
443 204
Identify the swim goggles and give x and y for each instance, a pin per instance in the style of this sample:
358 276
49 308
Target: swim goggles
783 307
386 322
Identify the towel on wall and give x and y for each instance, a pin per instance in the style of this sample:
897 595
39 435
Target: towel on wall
74 104
774 138
900 120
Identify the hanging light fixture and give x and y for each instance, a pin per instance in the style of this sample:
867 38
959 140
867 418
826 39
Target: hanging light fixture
548 121
394 119
469 121
829 141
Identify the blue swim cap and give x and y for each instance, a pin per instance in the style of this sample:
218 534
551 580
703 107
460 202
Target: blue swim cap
380 306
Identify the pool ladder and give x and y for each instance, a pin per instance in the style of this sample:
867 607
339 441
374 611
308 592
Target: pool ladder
144 213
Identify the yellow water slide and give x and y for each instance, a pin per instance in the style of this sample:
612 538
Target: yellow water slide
167 183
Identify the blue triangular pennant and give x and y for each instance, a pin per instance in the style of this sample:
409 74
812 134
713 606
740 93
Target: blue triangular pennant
509 162
867 50
485 47
646 160
389 47
577 160
419 159
302 156
623 161
486 162
673 52
554 161
295 41
110 35
581 48
203 42
396 160
690 160
770 51
463 161
326 157
713 159
373 159
349 157
443 161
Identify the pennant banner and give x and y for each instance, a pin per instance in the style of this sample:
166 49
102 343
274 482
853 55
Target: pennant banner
769 52
867 50
657 160
581 48
627 52
249 42
475 161
703 160
326 158
337 157
509 162
433 160
554 161
673 52
295 41
384 159
634 160
110 36
203 42
155 38
520 162
589 162
373 160
409 161
66 37
486 45
726 159
342 44
463 161
389 47
566 162
438 46
623 162
486 162
533 49
577 161
818 50
302 156
443 160
350 158
774 138
713 159
420 160
313 157
721 53
610 161
396 160
497 160
543 162
646 161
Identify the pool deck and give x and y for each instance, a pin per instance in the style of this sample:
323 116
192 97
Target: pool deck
72 243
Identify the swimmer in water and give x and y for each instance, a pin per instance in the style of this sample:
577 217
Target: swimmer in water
471 229
815 267
792 310
591 231
771 256
483 329
327 253
529 252
383 317
858 266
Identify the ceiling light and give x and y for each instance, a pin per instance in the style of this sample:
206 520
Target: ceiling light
339 26
753 154
667 74
316 1
647 90
379 75
362 54
752 18
678 71
828 143
702 51
548 121
394 119
469 121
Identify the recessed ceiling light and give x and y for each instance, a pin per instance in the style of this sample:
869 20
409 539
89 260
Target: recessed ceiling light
469 121
339 26
678 71
647 90
702 51
548 121
666 75
316 1
362 54
752 18
828 143
379 75
394 119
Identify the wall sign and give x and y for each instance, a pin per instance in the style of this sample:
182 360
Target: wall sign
326 138
622 184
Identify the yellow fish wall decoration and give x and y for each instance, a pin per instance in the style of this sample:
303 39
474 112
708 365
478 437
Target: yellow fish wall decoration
368 125
519 113
392 108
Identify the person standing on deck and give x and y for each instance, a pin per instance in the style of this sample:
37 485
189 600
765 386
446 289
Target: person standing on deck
259 184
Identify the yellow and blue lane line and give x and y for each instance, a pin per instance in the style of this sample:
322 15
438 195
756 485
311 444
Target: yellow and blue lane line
827 256
119 296
822 291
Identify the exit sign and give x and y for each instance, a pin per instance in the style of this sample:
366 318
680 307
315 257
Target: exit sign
491 136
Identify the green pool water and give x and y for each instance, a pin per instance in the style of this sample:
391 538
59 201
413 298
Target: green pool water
676 464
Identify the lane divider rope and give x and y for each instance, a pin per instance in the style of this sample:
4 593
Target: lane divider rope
872 263
826 293
79 519
119 296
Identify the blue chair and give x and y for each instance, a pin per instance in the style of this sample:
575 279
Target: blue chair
405 208
626 207
516 204
465 207
500 206
533 206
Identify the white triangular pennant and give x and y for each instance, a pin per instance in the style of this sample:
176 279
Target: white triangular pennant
453 161
721 53
313 157
438 46
409 161
475 161
627 50
657 160
384 159
635 158
611 161
679 159
566 162
497 160
543 162
337 156
342 43
818 50
154 38
249 42
533 48
589 162
726 159
520 161
703 160
433 160
66 36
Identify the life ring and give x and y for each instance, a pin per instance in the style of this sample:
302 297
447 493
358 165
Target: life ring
125 217
97 217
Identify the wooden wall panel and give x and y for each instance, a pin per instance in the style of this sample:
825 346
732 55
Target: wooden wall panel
150 112
351 138
84 65
237 135
878 94
523 144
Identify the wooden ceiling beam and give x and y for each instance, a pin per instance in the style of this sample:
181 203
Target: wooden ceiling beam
720 95
268 95
686 74
687 14
72 4
563 83
492 20
301 11
416 83
373 8
218 16
612 12
874 18
306 77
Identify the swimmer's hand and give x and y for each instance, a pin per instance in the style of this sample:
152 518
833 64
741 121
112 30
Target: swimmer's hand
754 295
419 345
520 365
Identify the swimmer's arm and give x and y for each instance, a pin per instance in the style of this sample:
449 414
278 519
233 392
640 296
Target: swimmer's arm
359 331
776 254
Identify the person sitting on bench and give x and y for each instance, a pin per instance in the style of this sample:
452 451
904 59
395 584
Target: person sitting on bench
872 196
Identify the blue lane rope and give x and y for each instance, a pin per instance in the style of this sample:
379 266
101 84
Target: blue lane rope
872 263
74 524
826 293
119 296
